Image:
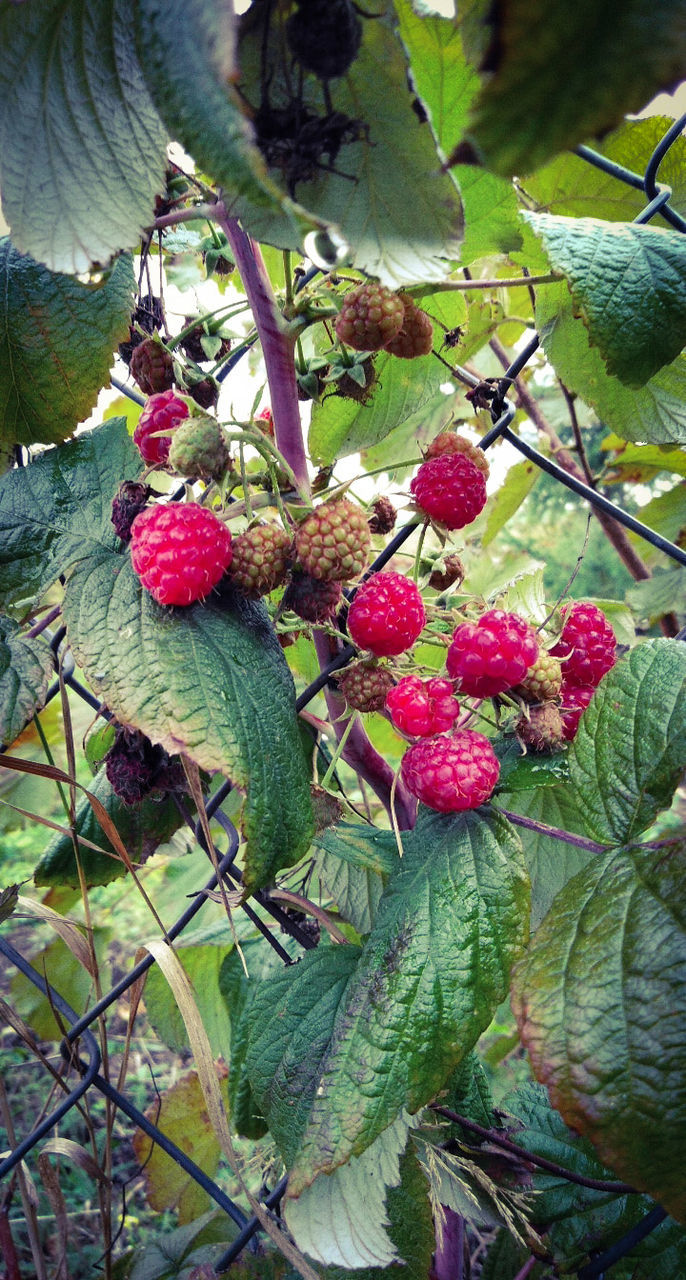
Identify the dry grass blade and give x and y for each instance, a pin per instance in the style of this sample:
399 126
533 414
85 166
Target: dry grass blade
68 931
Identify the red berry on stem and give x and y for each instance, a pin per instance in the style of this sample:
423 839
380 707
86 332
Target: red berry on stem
421 708
575 699
451 489
451 773
493 654
180 551
387 614
586 647
162 412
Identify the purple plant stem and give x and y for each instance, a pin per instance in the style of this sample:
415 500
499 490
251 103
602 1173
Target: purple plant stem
277 346
359 753
526 1269
556 832
449 1255
45 621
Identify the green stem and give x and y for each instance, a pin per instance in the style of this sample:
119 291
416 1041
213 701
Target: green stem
51 761
340 747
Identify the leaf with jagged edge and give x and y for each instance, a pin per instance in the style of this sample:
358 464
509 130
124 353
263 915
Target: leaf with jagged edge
630 749
599 1001
57 338
26 665
432 971
628 285
209 680
82 148
59 508
655 412
387 150
555 75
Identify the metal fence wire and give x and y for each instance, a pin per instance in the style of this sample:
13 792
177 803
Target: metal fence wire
79 1047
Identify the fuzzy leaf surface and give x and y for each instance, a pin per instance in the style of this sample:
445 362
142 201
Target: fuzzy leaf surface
599 999
58 509
187 48
210 681
57 338
628 285
388 149
82 147
630 750
142 827
557 76
238 992
26 665
451 921
655 412
341 1219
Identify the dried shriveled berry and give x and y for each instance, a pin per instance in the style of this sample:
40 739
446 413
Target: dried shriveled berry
450 574
542 728
152 366
129 502
312 599
135 767
384 517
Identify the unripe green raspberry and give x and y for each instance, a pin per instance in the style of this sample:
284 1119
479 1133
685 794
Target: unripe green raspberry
261 557
332 543
198 449
370 317
542 728
542 681
364 686
416 334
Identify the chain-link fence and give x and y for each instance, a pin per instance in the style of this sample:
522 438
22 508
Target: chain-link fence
79 1046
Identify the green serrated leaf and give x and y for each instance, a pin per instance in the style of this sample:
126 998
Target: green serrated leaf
237 993
341 1218
433 969
203 967
26 665
507 500
447 84
82 148
557 76
632 462
655 412
628 285
599 999
468 1093
630 750
570 185
551 862
197 104
142 827
363 847
56 345
664 593
340 426
389 149
209 680
356 891
58 509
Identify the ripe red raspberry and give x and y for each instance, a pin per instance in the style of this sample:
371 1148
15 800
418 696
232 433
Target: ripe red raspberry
260 559
542 681
451 442
451 489
387 614
370 317
311 599
421 708
333 542
163 412
542 728
152 366
416 337
451 773
493 654
575 699
180 551
586 646
364 686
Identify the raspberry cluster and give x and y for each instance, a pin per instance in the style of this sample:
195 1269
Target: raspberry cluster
562 682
